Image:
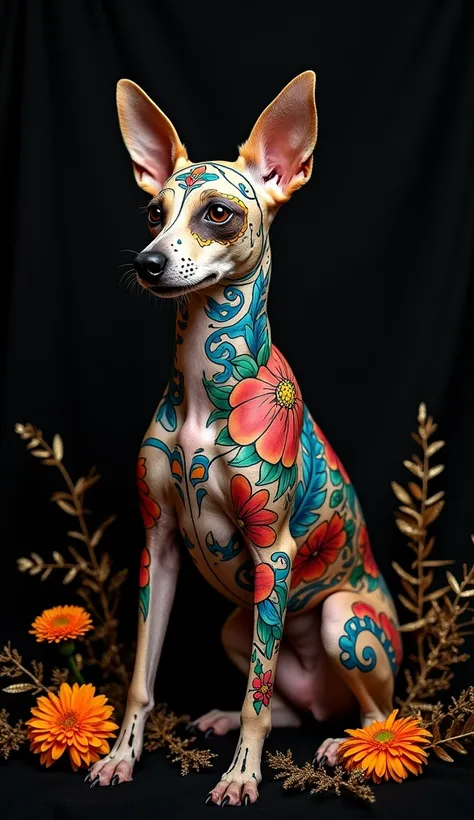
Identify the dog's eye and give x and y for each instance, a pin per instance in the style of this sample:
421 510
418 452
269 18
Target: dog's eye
155 215
218 214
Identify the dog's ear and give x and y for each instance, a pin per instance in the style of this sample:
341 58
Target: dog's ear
280 148
150 137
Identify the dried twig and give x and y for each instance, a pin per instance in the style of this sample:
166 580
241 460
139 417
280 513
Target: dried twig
98 588
160 732
11 737
317 779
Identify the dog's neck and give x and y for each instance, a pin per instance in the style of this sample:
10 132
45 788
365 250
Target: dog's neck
206 338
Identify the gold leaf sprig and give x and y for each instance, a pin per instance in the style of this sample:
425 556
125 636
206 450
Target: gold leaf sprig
160 732
98 587
11 737
317 779
452 726
441 620
417 511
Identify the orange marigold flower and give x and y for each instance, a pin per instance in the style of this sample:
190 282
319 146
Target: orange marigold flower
387 749
75 720
61 623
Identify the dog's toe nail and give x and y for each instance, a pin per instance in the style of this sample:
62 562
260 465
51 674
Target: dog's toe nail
87 778
225 802
208 799
209 732
247 800
323 761
95 781
114 780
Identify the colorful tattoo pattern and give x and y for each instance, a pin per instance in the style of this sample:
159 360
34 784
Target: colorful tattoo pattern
267 411
320 550
262 423
151 512
366 619
194 178
250 509
262 686
270 597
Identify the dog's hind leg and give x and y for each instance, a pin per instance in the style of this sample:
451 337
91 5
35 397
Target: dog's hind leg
360 636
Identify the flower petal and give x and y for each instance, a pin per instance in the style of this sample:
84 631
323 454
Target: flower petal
271 443
261 536
249 420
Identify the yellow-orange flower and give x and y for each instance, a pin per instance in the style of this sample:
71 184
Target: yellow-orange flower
387 749
61 623
75 720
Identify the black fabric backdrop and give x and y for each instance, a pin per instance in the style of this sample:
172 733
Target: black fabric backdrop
371 300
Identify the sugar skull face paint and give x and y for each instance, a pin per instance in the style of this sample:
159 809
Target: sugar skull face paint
209 224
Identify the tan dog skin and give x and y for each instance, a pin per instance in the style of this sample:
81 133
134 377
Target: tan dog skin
234 468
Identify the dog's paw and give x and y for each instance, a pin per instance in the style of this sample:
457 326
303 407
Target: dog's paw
110 772
216 722
328 752
236 791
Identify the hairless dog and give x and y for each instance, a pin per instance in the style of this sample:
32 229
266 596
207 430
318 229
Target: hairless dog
233 468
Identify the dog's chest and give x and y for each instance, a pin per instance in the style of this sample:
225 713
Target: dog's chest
204 514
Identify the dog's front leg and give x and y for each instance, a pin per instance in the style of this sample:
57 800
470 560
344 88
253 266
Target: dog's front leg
239 784
158 576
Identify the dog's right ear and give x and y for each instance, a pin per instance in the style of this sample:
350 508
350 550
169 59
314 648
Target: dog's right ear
150 137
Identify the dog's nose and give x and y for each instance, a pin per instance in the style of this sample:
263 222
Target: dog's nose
150 265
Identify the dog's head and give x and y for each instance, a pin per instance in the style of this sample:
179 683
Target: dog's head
208 220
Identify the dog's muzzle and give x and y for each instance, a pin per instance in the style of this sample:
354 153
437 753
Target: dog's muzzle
150 265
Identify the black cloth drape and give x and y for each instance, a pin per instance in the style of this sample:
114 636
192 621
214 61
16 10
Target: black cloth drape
371 297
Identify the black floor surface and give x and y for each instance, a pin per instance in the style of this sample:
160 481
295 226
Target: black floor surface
29 792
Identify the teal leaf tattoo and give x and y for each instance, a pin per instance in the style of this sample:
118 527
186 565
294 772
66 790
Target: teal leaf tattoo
216 415
218 394
269 472
145 601
336 498
244 366
349 527
246 457
224 438
263 354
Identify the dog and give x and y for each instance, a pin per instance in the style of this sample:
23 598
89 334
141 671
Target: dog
233 466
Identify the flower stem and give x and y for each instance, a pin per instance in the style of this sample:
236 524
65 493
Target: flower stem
75 670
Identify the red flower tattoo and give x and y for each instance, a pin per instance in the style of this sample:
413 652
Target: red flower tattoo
268 410
144 577
370 567
321 549
149 508
252 517
263 687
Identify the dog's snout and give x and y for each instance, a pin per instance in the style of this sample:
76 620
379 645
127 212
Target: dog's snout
150 265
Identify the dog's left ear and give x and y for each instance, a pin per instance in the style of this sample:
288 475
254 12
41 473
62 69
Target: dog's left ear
151 138
280 148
